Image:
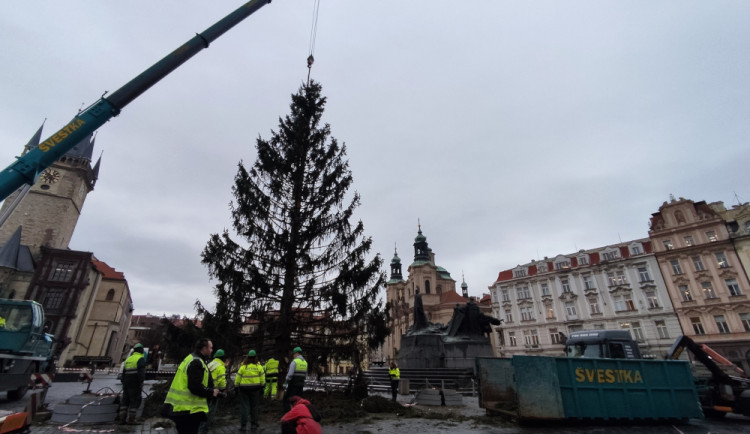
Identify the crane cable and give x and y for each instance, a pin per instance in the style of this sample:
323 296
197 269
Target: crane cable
313 35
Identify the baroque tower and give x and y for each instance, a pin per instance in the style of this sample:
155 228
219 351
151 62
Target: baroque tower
49 212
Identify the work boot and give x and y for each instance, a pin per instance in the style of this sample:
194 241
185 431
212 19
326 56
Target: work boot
122 416
131 418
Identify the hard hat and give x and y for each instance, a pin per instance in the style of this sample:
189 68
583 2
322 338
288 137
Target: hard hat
297 350
251 353
138 346
219 353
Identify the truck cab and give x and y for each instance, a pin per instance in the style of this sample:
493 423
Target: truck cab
25 348
604 344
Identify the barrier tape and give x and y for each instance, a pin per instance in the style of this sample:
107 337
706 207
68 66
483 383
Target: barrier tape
41 380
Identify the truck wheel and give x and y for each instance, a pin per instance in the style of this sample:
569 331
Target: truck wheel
15 395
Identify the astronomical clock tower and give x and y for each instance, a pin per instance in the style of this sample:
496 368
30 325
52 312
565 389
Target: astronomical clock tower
50 210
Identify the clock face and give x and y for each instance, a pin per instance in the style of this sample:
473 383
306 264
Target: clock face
50 176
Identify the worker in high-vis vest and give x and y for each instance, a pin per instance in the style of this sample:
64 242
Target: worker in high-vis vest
249 382
217 369
271 369
294 383
191 387
133 375
395 375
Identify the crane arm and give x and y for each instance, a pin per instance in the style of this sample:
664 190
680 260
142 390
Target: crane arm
27 168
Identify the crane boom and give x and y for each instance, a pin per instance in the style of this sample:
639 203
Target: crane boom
27 168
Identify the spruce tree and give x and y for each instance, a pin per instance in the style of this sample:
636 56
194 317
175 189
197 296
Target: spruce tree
298 267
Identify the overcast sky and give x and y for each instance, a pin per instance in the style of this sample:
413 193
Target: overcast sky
511 130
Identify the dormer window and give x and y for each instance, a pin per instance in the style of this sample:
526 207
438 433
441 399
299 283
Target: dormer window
562 265
610 256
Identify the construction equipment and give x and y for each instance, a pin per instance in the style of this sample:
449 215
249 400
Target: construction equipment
25 348
29 166
724 388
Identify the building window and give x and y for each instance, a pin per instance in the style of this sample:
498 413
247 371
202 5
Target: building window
733 287
668 244
594 307
54 299
636 250
570 309
530 337
610 256
685 292
698 263
63 271
523 293
565 285
676 269
721 260
555 337
550 313
541 267
721 324
617 278
545 289
583 260
527 314
697 326
512 339
506 296
653 301
708 290
624 303
519 273
689 241
711 235
110 295
508 316
643 274
637 331
564 265
661 329
588 282
745 318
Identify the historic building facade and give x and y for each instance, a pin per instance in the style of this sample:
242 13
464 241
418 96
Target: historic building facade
87 303
700 248
612 287
436 286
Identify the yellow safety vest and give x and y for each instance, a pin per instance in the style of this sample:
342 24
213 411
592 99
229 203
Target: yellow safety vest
218 373
180 396
250 375
394 373
300 368
131 363
272 368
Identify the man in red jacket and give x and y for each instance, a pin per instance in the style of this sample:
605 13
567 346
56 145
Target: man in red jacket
301 419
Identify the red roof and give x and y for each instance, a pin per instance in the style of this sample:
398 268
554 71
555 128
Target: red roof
107 271
451 297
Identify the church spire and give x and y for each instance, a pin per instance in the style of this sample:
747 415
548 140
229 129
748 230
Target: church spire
421 249
396 275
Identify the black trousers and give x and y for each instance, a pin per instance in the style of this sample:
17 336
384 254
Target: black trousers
188 423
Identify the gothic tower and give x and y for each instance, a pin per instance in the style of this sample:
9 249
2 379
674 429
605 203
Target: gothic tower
49 212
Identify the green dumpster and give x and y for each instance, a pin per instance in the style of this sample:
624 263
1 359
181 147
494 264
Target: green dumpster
553 388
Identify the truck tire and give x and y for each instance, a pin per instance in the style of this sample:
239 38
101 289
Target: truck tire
16 394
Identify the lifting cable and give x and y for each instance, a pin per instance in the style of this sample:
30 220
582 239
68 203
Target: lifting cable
313 35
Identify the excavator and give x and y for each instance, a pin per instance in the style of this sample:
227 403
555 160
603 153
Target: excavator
27 168
724 388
